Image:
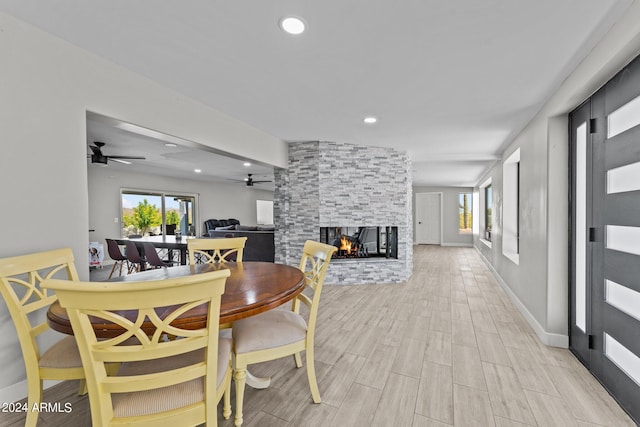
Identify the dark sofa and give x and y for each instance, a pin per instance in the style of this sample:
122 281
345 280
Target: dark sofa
212 224
259 246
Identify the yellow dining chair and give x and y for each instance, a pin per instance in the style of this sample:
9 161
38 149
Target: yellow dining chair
159 382
279 333
20 283
216 250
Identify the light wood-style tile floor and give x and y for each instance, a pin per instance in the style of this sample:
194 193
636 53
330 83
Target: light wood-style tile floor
445 348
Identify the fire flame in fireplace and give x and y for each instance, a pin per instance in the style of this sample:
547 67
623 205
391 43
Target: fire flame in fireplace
345 245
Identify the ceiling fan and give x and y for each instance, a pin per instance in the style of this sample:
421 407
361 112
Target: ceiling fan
100 158
250 181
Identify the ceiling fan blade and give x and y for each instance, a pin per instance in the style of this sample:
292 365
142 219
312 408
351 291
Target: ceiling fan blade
126 157
124 162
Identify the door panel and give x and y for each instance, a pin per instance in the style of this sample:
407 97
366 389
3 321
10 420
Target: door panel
625 145
428 228
628 338
622 268
612 217
625 202
433 219
581 217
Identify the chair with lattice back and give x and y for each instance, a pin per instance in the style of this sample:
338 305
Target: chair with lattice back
176 382
20 285
215 250
278 333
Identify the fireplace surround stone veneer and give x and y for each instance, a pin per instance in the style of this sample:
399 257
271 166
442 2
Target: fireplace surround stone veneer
328 184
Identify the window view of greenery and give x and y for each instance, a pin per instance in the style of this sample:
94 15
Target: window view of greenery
142 214
488 220
465 219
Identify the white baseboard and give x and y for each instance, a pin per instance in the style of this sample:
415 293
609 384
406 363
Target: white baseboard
547 338
14 392
460 245
18 391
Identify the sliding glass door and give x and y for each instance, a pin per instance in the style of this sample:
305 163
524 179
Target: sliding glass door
154 213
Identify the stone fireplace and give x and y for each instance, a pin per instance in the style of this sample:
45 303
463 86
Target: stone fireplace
332 185
360 243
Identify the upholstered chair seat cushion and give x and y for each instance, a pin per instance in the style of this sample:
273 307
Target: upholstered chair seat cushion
271 329
167 398
63 354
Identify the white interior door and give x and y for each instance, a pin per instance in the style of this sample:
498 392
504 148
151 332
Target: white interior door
429 218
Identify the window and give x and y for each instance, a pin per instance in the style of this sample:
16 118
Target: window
511 207
465 216
484 210
156 213
488 216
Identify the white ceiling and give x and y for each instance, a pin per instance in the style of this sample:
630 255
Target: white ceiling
451 81
125 139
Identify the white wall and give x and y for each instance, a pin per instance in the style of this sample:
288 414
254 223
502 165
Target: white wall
215 200
539 284
451 235
526 280
47 88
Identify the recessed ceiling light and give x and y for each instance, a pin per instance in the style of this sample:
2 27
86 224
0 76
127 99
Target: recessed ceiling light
170 145
197 170
292 25
247 164
369 120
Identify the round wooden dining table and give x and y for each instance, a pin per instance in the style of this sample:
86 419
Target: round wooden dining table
252 288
